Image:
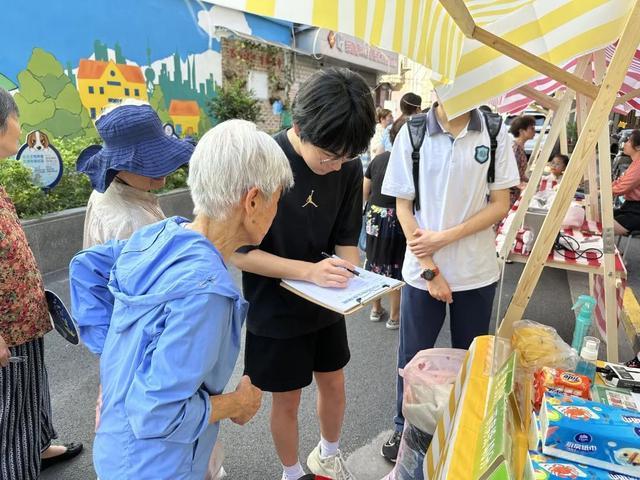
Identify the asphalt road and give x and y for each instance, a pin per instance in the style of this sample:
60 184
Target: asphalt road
249 451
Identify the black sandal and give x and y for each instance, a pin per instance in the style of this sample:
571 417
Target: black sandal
73 450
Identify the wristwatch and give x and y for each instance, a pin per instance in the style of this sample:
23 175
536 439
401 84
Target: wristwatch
429 274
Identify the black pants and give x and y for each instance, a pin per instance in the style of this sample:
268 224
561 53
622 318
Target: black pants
422 317
25 413
628 215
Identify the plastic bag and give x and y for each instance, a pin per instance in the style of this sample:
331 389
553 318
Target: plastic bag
215 471
540 345
428 380
413 448
575 216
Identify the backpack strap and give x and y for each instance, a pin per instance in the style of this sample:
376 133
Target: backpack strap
493 121
417 127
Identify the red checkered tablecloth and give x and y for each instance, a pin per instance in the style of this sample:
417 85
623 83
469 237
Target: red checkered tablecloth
589 263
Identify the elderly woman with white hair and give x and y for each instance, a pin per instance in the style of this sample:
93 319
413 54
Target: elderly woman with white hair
165 316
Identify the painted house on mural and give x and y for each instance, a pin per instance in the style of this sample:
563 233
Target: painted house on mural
185 116
101 84
63 77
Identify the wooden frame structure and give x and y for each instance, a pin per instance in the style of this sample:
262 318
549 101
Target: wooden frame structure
595 102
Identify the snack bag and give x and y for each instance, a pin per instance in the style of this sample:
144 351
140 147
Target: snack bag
539 346
561 381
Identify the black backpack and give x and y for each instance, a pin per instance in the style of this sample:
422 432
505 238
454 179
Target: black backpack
417 126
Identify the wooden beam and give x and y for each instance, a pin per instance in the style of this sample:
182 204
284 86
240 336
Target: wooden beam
541 98
543 133
460 14
534 62
628 96
559 120
606 215
596 119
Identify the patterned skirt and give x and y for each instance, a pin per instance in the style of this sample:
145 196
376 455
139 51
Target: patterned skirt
25 413
385 242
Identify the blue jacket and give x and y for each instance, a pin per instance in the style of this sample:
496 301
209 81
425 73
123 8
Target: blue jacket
165 316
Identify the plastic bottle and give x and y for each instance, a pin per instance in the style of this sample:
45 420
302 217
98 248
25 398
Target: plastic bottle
588 358
586 304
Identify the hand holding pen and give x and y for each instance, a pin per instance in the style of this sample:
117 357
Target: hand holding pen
331 272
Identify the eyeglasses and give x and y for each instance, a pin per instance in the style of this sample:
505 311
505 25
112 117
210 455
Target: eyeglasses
342 160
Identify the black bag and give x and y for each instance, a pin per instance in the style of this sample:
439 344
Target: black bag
417 127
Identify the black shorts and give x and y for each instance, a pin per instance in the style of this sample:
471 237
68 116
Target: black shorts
628 215
286 364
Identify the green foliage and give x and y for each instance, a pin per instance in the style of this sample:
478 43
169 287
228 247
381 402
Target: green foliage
159 104
48 101
72 191
177 179
233 100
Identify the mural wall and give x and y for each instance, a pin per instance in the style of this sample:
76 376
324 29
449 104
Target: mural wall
67 61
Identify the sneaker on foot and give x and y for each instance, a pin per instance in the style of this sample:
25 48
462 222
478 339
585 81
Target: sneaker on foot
393 324
377 315
333 467
391 447
635 363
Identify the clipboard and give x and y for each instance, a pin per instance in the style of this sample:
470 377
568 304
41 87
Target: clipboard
359 292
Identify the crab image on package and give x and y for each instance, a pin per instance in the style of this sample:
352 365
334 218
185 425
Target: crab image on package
591 433
542 467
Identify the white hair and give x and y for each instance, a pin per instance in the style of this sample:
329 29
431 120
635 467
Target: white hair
123 103
228 161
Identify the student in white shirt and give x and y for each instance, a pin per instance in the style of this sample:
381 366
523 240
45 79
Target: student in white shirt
450 258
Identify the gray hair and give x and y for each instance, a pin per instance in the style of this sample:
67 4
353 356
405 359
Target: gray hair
8 108
228 161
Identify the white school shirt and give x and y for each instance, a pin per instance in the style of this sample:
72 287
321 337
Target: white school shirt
453 188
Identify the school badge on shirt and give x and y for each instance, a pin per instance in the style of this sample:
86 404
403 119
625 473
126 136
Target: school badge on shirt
482 154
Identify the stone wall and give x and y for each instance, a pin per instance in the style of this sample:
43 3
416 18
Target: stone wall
56 238
241 56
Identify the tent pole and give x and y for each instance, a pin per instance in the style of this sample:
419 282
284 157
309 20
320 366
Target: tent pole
586 143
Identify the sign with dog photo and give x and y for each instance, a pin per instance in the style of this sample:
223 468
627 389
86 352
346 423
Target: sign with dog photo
42 158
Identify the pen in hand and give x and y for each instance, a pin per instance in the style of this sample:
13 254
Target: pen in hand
326 255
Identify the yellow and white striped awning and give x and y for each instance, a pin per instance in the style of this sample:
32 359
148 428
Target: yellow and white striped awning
556 30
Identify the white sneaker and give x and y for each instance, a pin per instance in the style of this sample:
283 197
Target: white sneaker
332 467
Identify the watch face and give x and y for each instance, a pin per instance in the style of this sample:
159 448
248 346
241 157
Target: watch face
428 274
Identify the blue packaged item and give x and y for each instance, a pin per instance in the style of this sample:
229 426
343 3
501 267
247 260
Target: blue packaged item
591 433
549 468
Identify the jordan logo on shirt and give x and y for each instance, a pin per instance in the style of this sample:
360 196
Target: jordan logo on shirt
310 200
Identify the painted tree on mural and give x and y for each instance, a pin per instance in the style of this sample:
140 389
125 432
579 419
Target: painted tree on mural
6 83
49 101
159 104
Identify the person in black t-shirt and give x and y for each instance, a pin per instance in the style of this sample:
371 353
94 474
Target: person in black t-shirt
386 242
290 340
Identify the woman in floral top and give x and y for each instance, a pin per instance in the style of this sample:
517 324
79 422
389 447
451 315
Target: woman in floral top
25 432
523 129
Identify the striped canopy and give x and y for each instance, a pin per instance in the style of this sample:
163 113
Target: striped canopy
515 102
555 30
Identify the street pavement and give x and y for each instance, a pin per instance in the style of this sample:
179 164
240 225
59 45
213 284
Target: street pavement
249 453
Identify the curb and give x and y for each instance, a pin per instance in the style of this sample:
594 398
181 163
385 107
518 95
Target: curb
631 318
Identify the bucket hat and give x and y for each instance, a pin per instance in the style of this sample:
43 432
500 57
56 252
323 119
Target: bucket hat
134 141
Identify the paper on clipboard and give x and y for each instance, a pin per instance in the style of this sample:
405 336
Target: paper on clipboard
360 291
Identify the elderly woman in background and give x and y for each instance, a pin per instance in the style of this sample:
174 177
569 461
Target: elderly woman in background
165 316
26 427
136 158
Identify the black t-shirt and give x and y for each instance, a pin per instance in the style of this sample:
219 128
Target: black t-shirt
375 172
318 213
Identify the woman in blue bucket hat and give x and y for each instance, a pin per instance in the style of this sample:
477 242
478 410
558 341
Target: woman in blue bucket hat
135 159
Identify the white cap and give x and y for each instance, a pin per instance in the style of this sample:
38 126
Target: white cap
590 349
